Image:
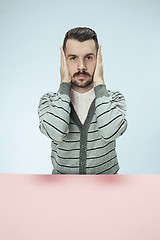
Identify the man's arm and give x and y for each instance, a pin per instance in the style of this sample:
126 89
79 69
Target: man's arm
111 113
54 108
110 106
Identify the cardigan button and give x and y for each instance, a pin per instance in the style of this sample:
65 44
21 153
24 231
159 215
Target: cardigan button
83 131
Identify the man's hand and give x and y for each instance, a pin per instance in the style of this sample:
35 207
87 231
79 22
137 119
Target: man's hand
98 74
65 76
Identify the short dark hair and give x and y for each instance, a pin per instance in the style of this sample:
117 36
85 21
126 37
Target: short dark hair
81 34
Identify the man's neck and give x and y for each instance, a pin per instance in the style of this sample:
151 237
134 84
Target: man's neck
82 89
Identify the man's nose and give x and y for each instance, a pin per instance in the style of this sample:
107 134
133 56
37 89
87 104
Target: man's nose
81 65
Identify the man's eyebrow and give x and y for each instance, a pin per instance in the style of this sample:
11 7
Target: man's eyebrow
89 54
73 55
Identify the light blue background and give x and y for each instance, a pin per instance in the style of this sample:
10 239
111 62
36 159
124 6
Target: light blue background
31 34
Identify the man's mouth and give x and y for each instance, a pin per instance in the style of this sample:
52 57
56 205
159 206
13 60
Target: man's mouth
81 76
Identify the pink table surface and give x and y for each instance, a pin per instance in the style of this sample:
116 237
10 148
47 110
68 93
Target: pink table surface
122 207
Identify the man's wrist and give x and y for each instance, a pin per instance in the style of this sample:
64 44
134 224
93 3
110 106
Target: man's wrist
67 81
65 88
101 90
99 82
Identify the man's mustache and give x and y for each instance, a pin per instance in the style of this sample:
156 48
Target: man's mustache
80 73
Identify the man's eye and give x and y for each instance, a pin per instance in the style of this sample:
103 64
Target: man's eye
72 58
89 58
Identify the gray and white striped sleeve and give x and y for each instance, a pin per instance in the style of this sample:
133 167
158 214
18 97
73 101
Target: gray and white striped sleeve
111 113
54 113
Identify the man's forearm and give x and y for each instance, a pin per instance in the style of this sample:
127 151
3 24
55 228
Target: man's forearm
54 113
110 111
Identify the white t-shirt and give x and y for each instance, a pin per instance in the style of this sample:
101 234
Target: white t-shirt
81 102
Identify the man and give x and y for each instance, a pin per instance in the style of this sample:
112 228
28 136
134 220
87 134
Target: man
83 119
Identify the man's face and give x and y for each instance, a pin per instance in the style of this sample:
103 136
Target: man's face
81 61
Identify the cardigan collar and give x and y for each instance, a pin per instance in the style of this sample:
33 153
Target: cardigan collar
88 119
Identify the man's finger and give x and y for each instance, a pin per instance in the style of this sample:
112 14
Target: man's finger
61 55
100 54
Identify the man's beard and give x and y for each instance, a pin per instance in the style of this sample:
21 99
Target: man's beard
82 82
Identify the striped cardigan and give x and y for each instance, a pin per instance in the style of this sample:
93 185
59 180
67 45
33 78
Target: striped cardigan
87 148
